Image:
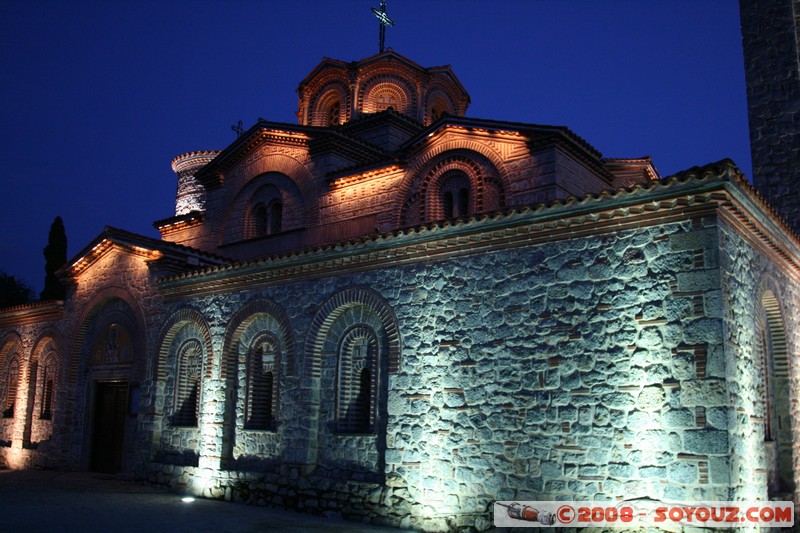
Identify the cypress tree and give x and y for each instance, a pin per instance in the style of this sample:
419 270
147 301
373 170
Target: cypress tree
55 255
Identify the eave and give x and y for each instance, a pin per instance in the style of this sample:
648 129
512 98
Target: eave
150 250
33 313
180 222
503 126
536 136
260 134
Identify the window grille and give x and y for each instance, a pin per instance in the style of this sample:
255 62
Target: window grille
187 393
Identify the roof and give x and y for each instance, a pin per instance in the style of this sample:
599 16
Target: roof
168 253
388 54
716 186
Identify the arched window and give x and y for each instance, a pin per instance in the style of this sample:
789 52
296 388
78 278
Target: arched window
454 195
356 379
447 204
275 211
11 386
262 387
187 389
266 216
259 222
47 387
333 114
775 396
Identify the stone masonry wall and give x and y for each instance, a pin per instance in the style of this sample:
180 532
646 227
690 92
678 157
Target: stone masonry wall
747 274
26 439
588 369
770 37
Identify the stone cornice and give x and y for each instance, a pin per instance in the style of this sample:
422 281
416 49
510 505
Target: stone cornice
531 130
179 222
677 199
33 313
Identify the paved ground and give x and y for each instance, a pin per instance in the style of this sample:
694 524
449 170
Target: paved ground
35 501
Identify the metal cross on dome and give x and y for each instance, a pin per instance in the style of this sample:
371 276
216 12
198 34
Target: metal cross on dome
383 21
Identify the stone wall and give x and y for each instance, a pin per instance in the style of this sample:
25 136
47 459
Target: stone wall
747 276
585 368
770 37
25 436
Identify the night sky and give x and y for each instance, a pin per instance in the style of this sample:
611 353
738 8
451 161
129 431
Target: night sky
98 96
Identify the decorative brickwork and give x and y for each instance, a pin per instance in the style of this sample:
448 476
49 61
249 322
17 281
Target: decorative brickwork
375 84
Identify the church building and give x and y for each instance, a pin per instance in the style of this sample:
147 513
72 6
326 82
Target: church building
400 314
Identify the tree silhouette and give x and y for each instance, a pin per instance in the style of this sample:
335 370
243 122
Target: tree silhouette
55 255
13 291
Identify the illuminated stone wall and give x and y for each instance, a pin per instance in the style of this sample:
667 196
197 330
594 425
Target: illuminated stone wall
771 40
748 277
586 368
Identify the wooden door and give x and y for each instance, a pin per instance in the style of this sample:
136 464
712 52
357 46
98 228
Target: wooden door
108 432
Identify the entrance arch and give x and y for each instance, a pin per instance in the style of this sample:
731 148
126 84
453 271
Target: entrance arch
105 375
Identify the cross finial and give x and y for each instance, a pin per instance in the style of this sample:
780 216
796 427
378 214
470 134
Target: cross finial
383 21
238 128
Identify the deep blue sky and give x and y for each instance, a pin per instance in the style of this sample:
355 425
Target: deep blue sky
98 96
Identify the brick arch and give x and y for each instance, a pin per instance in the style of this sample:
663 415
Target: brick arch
48 336
387 83
265 187
776 392
330 77
439 99
323 98
289 167
367 300
86 331
11 346
10 341
415 198
46 347
175 323
239 323
479 150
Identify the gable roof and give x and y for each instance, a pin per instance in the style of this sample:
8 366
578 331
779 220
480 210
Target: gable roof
169 257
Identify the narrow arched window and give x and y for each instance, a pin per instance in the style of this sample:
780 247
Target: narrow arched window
333 114
259 222
47 400
48 388
12 384
454 192
187 393
447 204
356 374
779 440
363 404
275 217
262 389
463 202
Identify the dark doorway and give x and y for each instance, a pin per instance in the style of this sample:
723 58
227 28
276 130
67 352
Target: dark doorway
110 412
